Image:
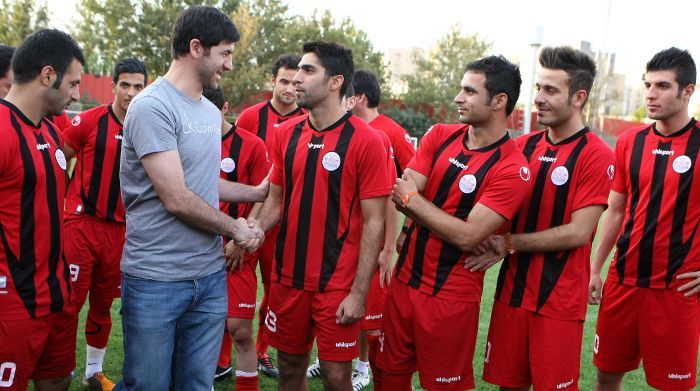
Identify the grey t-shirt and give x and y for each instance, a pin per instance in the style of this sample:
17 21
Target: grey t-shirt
159 246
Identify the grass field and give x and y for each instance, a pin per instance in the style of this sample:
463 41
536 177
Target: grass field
633 381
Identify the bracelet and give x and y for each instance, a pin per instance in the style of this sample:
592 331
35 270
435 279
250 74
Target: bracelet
405 198
509 244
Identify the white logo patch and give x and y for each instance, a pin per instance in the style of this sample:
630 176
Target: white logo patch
3 282
682 164
596 344
560 175
228 165
331 161
524 173
75 121
61 159
611 171
408 138
467 184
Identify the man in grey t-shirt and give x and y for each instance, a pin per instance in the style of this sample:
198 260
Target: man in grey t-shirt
174 298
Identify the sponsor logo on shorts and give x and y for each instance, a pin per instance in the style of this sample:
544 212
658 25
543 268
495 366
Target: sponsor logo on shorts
662 152
373 317
246 305
448 379
345 345
678 376
565 384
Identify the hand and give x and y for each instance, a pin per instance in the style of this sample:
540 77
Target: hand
400 241
402 187
498 244
263 188
249 235
481 263
481 248
351 309
234 257
386 256
693 286
595 289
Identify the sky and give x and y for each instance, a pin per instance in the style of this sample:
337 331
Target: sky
633 30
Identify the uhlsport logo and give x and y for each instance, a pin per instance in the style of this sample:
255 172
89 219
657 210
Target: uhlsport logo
448 379
75 121
458 163
662 152
345 345
678 376
373 317
246 305
524 173
611 171
41 147
565 384
547 159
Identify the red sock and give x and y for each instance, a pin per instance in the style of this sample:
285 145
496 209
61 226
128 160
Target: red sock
98 323
247 383
226 347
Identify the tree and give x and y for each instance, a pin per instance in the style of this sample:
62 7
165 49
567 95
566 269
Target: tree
640 114
438 73
19 18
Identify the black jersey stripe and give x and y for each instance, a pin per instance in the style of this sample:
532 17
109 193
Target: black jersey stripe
234 152
623 243
651 220
332 241
114 184
553 265
404 249
449 254
516 298
289 156
305 209
678 248
90 201
531 145
55 227
24 269
448 179
262 122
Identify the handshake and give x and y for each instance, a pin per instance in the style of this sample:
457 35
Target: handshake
247 236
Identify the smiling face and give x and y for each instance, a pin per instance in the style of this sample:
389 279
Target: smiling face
554 104
473 103
217 60
664 97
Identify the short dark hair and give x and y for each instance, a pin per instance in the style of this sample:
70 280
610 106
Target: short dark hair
350 91
502 77
45 47
288 61
207 24
130 65
677 60
336 59
578 65
215 96
5 59
366 82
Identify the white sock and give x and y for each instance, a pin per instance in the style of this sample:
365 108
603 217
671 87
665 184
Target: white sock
246 374
94 360
362 367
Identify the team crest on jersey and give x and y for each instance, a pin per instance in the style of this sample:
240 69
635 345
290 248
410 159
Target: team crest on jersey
61 159
408 138
682 164
331 161
525 173
560 175
228 165
611 171
75 121
467 184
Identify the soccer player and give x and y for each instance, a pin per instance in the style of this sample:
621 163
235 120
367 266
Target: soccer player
243 160
537 319
95 224
34 280
173 280
650 305
6 73
263 120
466 182
328 187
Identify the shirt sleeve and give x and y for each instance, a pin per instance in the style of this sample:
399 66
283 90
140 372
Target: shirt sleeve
507 189
422 162
150 128
619 181
595 179
372 168
76 131
259 163
277 160
246 121
403 147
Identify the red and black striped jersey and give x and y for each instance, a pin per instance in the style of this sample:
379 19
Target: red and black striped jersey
567 176
96 136
495 176
243 160
263 120
400 141
61 121
34 276
324 174
660 176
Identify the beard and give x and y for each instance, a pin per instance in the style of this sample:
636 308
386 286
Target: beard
206 73
55 102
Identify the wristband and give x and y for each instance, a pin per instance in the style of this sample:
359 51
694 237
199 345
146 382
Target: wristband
509 244
405 198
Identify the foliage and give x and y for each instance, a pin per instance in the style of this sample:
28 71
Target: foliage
19 18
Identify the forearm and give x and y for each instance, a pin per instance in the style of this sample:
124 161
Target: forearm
238 192
370 245
448 228
607 236
269 214
561 238
391 223
191 209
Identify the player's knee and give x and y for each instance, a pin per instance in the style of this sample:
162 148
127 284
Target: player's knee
335 379
608 380
57 384
242 337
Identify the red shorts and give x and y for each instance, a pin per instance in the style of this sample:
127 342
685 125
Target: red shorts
432 335
659 326
93 248
376 297
34 349
242 289
524 348
295 317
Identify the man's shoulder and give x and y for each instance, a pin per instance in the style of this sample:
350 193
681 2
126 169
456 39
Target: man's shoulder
251 110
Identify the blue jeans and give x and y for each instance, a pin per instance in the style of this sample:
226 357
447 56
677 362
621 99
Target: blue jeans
172 332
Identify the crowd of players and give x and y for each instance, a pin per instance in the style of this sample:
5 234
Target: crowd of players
173 208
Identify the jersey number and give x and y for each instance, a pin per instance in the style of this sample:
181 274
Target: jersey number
5 380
